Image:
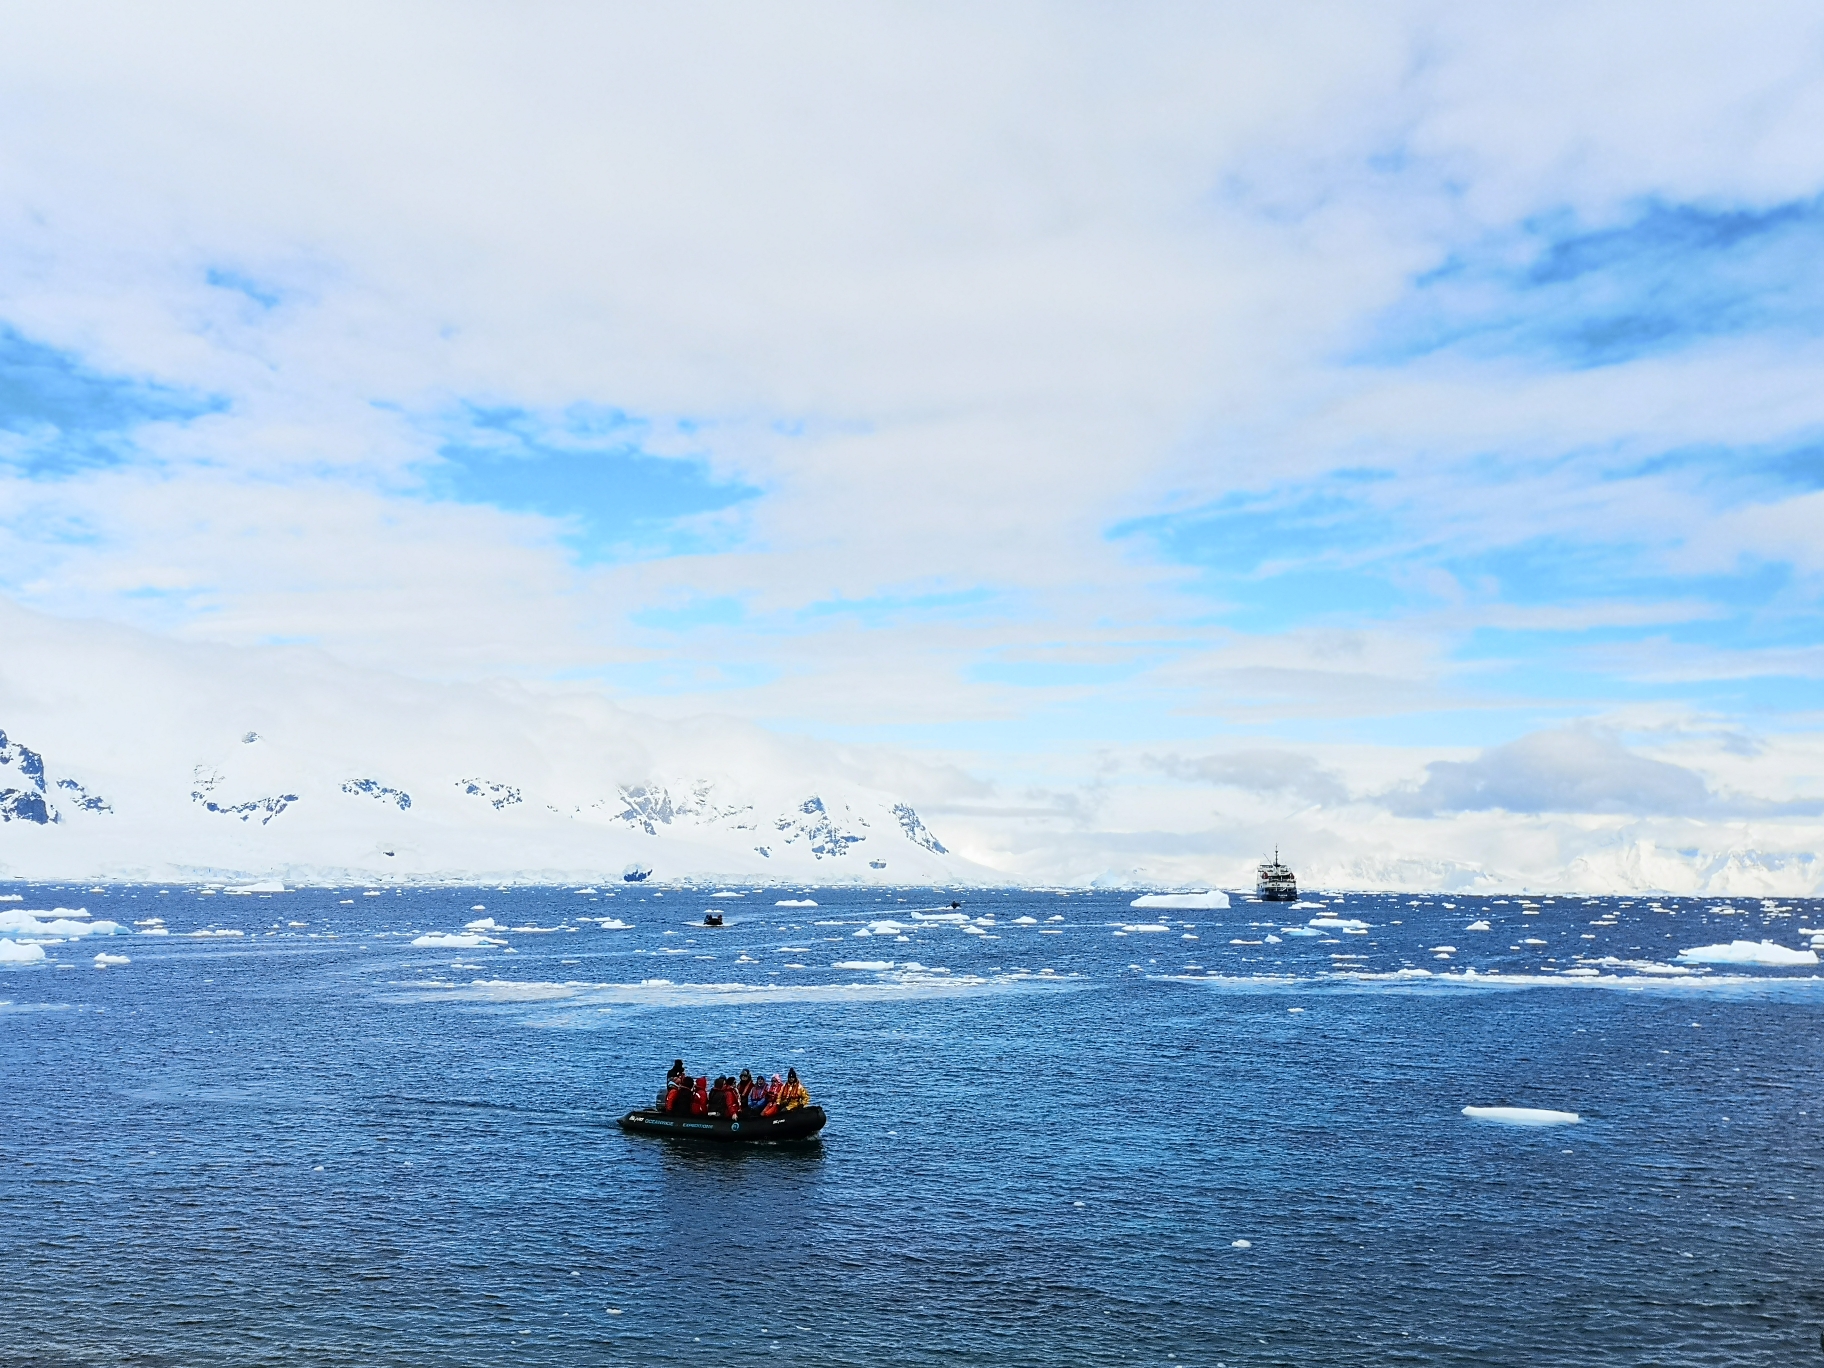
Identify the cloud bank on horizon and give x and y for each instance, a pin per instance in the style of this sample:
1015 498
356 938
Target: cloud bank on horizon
1394 431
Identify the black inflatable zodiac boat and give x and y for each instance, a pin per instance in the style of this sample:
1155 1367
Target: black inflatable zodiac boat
752 1129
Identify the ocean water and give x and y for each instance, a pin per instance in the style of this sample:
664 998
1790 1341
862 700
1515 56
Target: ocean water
1052 1141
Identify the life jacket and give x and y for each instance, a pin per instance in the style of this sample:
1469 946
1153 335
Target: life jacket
699 1097
756 1097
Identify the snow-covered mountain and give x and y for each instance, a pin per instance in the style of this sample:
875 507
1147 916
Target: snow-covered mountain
125 756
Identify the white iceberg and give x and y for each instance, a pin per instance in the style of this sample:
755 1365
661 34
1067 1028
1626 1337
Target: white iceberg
12 952
483 924
1181 900
64 923
796 902
454 941
1146 926
1522 1116
873 965
103 960
1748 952
1339 923
264 886
1478 926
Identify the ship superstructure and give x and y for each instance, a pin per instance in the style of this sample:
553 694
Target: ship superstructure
1277 883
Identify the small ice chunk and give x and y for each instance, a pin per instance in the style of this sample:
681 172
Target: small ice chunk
103 960
263 886
1025 921
789 902
1339 923
1522 1116
12 952
483 924
1478 926
1241 1244
874 966
454 941
1145 926
1444 949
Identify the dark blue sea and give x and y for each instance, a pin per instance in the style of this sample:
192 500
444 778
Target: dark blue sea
1238 1139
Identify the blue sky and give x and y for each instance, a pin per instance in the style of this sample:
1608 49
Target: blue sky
1384 391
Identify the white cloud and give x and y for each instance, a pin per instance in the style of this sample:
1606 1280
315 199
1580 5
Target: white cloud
960 292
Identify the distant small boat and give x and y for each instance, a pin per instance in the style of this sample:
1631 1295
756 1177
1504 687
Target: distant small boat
802 1124
712 919
1277 883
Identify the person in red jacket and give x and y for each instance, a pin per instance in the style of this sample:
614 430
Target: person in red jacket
699 1097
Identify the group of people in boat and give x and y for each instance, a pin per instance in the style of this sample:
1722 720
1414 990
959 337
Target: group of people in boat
751 1094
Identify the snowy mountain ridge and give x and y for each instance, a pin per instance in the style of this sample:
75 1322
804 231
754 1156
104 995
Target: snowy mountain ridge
124 756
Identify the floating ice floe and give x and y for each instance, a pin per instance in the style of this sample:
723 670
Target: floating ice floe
613 924
1522 1116
1212 899
483 924
1646 966
15 952
60 923
871 965
728 895
796 902
1338 923
1025 921
263 886
1478 926
1748 952
454 941
1136 928
104 960
1299 931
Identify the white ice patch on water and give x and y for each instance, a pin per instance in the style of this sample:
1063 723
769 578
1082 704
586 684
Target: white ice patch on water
1217 900
449 940
60 923
613 924
957 917
1300 931
1025 921
1134 928
483 924
1644 966
13 952
263 886
104 960
1748 952
728 895
1522 1116
796 902
871 965
1478 926
1339 923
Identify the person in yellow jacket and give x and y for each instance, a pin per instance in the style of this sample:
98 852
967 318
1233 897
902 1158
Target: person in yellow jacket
794 1094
